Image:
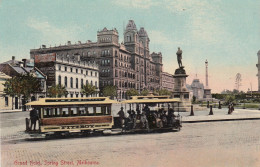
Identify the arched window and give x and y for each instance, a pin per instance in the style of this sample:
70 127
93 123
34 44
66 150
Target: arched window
71 82
91 83
82 83
59 80
65 82
77 83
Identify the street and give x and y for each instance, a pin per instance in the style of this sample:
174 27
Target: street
227 143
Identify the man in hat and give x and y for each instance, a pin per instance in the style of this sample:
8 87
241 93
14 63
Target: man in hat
121 116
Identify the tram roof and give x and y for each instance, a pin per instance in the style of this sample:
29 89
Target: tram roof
71 101
151 99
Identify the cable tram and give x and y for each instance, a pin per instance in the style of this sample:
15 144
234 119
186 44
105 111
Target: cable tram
150 113
67 115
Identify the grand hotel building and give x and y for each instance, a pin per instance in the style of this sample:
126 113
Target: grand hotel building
126 65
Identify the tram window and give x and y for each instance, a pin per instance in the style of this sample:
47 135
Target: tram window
82 111
98 111
103 109
74 111
90 111
65 112
45 114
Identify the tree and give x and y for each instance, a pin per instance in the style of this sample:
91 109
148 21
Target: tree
88 89
164 92
109 91
144 92
57 91
12 88
229 99
22 85
132 92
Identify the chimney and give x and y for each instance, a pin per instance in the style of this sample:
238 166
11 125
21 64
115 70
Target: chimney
24 62
20 64
13 58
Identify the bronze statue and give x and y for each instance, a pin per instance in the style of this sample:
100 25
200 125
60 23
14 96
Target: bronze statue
179 57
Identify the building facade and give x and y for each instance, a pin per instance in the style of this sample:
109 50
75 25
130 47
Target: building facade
167 81
5 101
126 65
258 67
197 89
69 71
26 66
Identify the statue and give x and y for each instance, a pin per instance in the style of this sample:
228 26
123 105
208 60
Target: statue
179 57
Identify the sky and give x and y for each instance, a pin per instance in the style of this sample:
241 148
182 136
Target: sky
226 33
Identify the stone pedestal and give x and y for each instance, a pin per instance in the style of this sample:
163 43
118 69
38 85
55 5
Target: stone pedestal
180 90
207 94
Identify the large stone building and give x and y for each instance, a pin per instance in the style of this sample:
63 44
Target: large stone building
258 67
126 65
167 81
69 71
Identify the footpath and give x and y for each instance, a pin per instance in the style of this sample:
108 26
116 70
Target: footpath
220 115
199 116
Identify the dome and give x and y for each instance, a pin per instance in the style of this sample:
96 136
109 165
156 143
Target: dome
131 25
142 32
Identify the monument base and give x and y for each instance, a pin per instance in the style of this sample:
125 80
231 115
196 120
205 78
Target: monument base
180 90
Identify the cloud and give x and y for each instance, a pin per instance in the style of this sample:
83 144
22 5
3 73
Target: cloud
50 33
142 4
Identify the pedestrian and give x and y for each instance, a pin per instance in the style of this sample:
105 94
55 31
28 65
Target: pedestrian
122 117
33 117
232 107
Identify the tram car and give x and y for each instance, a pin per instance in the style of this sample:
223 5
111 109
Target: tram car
94 114
150 113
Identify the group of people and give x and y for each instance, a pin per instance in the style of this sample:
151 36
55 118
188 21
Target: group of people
146 119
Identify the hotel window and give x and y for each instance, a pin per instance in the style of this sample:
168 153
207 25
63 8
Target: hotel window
96 84
91 73
82 83
65 69
59 68
71 70
91 83
76 70
65 81
6 101
86 72
77 83
86 82
59 80
71 82
96 74
81 71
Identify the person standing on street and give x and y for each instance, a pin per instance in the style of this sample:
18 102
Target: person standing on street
34 118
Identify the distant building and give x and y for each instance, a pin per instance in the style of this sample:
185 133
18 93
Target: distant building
14 68
167 81
125 65
5 101
69 71
198 89
258 67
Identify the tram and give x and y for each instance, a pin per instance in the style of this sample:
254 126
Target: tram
94 114
61 115
151 113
